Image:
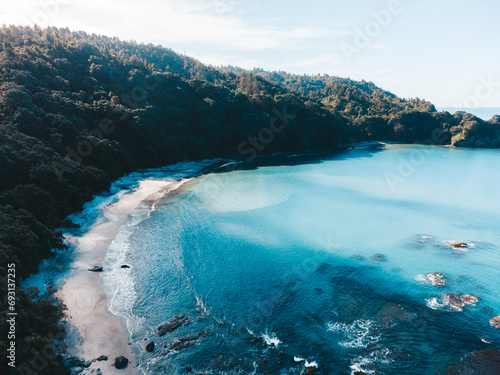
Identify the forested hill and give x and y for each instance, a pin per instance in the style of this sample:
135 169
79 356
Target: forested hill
79 110
376 114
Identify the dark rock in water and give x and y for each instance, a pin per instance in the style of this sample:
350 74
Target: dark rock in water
150 347
121 362
310 371
95 269
459 245
379 257
179 345
486 362
125 266
102 358
360 373
186 341
172 324
189 368
495 322
76 362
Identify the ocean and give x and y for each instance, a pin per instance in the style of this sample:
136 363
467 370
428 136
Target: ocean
339 261
317 261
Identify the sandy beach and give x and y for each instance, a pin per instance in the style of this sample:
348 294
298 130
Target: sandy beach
95 330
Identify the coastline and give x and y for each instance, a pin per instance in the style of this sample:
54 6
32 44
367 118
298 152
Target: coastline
95 331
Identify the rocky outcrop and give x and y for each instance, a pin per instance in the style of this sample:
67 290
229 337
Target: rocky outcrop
453 300
121 362
495 321
174 323
459 245
436 279
485 362
186 341
470 299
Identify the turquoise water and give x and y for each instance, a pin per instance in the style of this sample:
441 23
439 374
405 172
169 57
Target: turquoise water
318 261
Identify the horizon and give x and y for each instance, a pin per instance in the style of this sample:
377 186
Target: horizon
378 41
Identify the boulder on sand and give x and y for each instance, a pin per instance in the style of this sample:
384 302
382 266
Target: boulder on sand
95 269
121 362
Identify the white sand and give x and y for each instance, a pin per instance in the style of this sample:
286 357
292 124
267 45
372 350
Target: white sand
99 331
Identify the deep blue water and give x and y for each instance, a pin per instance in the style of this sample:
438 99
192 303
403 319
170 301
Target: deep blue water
280 263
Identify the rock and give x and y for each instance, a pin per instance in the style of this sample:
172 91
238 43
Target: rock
95 269
310 371
174 323
436 279
470 299
150 347
76 362
459 245
189 368
125 266
495 321
485 362
179 345
379 257
121 362
453 300
102 358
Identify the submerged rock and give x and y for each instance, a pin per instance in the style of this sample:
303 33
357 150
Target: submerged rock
310 370
485 362
150 347
379 257
121 362
495 321
95 269
174 323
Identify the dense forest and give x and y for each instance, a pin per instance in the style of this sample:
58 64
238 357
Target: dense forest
77 111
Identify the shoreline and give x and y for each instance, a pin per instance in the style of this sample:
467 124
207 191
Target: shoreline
94 330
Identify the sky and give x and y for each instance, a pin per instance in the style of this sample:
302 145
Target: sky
443 51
